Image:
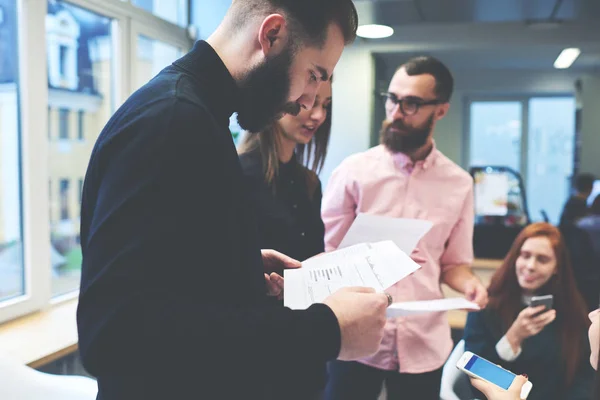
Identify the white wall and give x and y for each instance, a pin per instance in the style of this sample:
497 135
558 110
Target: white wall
352 108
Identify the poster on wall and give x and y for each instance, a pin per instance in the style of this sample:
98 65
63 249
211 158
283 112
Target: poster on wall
491 194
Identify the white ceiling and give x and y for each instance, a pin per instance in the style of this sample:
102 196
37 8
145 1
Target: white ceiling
491 34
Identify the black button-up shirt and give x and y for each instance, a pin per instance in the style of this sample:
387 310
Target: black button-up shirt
289 215
172 302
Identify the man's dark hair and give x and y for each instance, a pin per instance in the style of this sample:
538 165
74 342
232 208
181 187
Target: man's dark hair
444 82
584 183
308 20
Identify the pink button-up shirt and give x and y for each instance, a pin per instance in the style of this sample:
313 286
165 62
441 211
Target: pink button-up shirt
382 183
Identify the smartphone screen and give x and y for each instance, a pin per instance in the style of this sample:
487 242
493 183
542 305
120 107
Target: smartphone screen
490 372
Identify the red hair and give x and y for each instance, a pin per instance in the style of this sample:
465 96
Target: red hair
506 294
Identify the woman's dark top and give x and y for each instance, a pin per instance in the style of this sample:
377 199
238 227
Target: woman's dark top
289 217
540 358
289 221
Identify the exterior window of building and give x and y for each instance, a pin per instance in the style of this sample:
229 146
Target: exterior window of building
63 123
80 125
80 191
64 199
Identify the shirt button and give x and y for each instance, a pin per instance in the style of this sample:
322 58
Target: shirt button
295 206
302 234
292 181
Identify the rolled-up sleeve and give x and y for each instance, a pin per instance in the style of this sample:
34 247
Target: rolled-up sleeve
459 247
338 209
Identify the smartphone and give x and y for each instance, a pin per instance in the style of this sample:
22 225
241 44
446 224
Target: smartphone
547 301
477 367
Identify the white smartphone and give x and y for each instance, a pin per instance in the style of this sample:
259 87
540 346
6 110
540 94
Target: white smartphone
477 367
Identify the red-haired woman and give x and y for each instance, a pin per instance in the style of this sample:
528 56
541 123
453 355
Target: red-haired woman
550 346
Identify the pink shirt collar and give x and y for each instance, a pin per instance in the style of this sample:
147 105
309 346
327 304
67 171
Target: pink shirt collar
404 162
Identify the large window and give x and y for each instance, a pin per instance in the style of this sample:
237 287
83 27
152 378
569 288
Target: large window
496 134
12 271
174 11
551 155
92 36
76 63
535 136
152 56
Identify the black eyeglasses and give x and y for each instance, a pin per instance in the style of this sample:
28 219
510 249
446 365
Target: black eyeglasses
408 105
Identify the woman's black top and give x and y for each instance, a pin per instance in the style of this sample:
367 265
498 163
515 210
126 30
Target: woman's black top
289 215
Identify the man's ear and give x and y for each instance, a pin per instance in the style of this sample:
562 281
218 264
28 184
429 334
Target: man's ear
273 34
442 111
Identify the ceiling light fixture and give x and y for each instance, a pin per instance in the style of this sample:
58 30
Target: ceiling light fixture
566 58
374 31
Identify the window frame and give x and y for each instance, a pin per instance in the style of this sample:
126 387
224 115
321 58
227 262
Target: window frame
521 98
33 118
524 99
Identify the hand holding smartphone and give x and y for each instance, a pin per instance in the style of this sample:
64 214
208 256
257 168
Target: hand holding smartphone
532 320
480 368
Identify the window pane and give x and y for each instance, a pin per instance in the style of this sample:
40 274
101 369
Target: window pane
174 11
496 134
80 79
152 56
550 157
11 244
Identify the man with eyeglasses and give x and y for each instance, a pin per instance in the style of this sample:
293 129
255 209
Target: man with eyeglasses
408 177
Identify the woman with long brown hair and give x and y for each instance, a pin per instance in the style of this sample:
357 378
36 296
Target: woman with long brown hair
281 165
547 345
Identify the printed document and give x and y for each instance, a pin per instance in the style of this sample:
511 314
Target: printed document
404 232
375 265
429 306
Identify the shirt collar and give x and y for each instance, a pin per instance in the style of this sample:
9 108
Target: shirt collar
208 70
404 162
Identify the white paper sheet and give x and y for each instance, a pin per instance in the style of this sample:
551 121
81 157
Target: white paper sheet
405 232
429 306
375 265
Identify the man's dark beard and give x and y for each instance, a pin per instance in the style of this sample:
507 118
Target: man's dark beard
264 92
409 139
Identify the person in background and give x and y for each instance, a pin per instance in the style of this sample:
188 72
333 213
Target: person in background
286 193
493 392
408 177
547 345
587 270
591 224
281 164
173 301
576 207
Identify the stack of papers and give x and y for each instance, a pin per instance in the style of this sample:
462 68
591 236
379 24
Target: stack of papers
374 265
